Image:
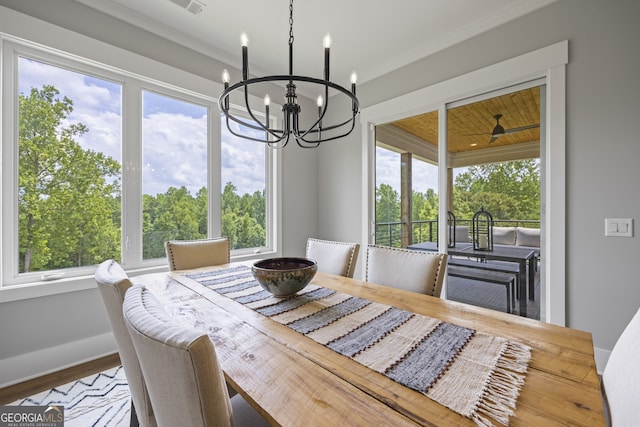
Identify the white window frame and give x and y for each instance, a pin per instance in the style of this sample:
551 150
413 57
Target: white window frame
135 73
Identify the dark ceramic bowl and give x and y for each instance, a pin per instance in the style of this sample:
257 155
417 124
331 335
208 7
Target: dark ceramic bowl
284 277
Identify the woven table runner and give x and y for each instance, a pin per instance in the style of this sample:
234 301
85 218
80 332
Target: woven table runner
474 374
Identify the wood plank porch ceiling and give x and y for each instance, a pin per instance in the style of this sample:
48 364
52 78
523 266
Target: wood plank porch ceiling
470 126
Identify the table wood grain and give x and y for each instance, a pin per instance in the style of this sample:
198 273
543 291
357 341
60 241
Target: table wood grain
293 381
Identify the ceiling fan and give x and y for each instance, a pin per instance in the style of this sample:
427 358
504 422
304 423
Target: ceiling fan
499 130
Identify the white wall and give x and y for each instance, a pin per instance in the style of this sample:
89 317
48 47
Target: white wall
603 147
322 190
44 334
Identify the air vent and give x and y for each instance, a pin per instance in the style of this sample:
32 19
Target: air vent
193 6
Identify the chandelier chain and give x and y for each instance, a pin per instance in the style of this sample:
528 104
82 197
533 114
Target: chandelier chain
291 22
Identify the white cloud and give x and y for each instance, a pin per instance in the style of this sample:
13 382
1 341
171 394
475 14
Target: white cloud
174 141
425 175
174 152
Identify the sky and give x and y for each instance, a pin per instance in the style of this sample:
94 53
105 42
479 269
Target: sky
175 136
425 175
174 132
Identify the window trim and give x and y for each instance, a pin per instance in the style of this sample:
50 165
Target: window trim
139 74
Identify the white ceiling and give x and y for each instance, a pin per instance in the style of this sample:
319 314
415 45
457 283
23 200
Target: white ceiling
372 37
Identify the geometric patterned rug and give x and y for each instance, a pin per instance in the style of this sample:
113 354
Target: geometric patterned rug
99 400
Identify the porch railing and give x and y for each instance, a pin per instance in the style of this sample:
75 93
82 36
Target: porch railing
390 233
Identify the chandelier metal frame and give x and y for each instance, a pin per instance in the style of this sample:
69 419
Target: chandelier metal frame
279 137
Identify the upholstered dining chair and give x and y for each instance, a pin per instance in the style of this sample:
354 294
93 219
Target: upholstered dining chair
113 283
621 377
187 254
416 271
180 366
333 257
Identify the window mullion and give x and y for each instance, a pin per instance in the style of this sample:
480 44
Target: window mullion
132 174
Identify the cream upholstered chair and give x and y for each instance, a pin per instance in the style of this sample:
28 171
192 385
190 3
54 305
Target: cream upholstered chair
186 254
113 283
333 257
180 366
416 271
621 377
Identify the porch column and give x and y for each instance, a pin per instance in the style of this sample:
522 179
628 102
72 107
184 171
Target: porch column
406 193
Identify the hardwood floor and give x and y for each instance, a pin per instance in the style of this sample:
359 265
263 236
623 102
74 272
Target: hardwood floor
36 385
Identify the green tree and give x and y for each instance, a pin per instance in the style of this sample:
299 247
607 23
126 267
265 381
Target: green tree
173 215
68 197
387 204
508 190
243 218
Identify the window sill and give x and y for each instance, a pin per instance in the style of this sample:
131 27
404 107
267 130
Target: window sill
37 289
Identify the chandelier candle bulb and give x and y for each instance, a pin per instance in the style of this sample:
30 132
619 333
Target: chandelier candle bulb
267 101
245 54
354 79
225 80
320 102
327 46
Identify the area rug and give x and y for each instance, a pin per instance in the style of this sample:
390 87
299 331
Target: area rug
99 400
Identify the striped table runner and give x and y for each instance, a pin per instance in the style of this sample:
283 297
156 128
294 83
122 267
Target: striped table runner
474 374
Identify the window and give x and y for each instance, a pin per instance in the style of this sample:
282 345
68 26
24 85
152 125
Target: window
244 184
99 163
69 168
174 172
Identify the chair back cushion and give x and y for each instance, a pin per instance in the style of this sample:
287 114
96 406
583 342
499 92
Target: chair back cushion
504 235
621 376
180 365
333 257
187 254
416 271
528 237
113 283
462 234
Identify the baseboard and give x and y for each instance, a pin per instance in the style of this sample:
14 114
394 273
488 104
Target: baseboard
601 356
27 366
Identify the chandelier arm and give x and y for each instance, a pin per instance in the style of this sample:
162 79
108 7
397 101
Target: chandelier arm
304 144
260 126
315 128
342 135
249 125
249 137
335 126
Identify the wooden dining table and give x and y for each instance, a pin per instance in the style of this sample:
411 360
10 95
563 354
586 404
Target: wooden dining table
293 380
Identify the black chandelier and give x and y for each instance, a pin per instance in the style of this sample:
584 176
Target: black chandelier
279 137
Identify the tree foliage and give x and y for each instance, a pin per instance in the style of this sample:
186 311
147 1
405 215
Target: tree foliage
69 197
508 190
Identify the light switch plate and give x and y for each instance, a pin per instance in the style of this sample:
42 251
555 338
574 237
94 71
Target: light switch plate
620 227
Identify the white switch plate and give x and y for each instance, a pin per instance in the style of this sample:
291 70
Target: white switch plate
620 227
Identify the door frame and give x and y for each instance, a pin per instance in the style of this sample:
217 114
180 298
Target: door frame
547 63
